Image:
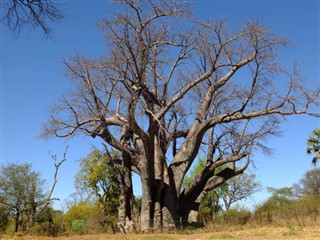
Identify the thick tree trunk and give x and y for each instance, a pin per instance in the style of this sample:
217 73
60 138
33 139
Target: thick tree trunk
190 216
146 160
157 222
190 211
127 219
146 206
170 210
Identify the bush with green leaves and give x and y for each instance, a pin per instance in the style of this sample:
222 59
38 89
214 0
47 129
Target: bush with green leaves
79 226
4 217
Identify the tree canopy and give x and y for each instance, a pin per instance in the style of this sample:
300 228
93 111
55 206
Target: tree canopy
99 176
309 184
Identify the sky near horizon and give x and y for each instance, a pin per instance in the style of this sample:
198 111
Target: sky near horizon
32 79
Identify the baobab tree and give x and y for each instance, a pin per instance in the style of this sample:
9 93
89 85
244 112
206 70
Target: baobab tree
168 89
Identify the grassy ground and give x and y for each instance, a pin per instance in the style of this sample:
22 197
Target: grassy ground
248 234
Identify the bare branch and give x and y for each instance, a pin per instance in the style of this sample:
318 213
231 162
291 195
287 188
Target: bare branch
31 13
49 199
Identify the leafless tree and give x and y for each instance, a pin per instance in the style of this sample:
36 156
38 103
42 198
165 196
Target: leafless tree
31 13
170 88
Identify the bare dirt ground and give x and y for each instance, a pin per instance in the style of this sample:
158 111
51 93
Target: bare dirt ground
248 234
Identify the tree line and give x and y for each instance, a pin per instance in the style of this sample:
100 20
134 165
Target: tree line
26 208
93 208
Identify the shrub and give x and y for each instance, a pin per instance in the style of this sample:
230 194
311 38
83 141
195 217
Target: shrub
79 226
236 217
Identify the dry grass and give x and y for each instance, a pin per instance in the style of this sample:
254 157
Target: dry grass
273 233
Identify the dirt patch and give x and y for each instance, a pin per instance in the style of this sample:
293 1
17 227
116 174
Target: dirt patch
248 234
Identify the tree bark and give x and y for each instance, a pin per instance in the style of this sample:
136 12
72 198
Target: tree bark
146 203
127 221
170 209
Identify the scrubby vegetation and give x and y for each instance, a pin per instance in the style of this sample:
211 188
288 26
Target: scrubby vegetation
293 208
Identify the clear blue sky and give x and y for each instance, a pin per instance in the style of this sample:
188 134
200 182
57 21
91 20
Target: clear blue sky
32 79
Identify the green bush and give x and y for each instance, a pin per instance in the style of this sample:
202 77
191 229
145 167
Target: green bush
4 218
79 226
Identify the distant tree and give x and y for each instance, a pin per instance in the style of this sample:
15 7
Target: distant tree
22 192
278 205
100 175
21 189
309 184
281 193
314 145
81 195
30 13
239 188
170 86
308 189
286 206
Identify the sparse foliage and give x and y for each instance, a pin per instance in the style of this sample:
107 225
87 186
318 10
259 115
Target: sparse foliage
238 188
278 206
166 90
284 207
309 184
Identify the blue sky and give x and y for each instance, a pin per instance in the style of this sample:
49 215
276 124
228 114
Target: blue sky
32 79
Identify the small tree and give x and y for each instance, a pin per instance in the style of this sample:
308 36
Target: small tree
22 192
21 189
309 184
238 188
314 145
100 175
308 191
